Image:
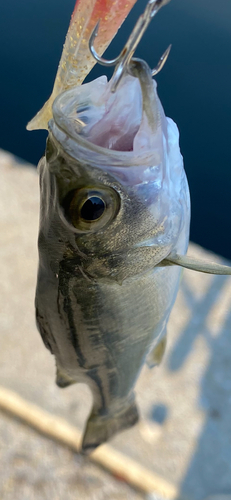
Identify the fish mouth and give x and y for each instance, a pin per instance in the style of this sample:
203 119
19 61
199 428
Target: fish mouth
115 122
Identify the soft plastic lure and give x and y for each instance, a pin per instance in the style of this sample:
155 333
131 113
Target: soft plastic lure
76 60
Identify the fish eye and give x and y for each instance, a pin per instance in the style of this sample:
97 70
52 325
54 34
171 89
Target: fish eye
90 208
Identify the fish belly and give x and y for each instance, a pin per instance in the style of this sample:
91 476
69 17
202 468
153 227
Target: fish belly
100 333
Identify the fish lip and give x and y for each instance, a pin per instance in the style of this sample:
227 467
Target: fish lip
106 156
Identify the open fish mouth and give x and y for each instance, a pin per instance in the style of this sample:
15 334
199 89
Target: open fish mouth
114 121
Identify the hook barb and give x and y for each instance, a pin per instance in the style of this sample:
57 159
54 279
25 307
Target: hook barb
99 59
162 61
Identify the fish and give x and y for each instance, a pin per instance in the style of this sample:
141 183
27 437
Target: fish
113 235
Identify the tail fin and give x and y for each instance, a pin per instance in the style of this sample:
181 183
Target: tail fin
100 428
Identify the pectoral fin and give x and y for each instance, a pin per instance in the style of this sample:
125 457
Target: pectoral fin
195 264
156 355
62 379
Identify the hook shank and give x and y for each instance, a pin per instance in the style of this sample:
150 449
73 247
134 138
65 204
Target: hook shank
123 59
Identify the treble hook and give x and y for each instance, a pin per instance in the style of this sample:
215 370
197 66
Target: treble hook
123 59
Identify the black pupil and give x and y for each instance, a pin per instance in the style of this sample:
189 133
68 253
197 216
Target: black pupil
93 208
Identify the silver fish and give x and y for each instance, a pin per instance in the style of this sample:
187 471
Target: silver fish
114 231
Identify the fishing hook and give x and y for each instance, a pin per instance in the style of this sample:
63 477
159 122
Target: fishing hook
123 59
161 61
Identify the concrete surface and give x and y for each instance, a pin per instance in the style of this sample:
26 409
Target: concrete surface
185 430
35 468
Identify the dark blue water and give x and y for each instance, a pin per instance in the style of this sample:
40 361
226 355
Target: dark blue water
194 87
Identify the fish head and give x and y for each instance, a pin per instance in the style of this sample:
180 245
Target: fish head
118 180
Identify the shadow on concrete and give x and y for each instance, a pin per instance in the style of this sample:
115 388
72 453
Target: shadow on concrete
209 471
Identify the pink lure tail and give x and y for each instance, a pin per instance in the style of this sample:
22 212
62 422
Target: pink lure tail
76 60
